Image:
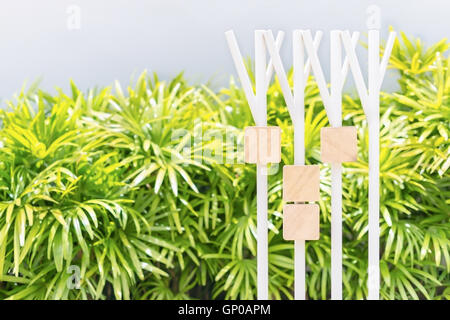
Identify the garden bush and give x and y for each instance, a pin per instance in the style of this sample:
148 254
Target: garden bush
127 192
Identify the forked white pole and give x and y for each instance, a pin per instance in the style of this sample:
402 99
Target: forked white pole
295 105
261 177
370 101
258 107
299 153
336 168
242 72
373 284
333 106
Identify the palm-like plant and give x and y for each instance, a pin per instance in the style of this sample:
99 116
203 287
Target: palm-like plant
131 191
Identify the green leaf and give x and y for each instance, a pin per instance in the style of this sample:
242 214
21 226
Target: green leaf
59 216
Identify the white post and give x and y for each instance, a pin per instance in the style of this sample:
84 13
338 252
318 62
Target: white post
295 105
336 169
261 177
333 106
370 101
258 106
373 284
299 152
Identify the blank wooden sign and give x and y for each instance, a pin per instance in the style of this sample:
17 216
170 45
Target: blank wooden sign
301 183
338 145
262 145
301 221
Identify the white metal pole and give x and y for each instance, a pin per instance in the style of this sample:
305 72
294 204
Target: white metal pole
333 106
374 165
299 153
370 101
261 189
336 168
295 105
258 106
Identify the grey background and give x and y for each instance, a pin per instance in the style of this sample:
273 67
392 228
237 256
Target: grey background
119 38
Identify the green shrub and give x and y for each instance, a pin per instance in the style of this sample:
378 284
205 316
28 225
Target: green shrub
101 181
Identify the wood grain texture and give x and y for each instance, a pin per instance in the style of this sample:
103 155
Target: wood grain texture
301 183
301 222
338 145
262 145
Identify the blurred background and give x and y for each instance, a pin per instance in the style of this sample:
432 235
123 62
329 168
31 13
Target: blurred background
97 42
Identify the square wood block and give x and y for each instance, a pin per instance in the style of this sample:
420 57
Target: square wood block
301 183
262 145
338 145
301 222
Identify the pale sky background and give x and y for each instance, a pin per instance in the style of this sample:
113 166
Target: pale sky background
119 38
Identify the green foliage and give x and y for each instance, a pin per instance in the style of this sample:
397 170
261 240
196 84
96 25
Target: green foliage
115 184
